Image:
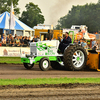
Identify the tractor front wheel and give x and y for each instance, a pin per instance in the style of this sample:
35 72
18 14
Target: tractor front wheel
44 64
28 66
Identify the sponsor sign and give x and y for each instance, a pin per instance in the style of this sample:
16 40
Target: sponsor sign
14 51
25 51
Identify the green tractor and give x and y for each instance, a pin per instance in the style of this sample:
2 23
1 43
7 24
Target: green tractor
45 52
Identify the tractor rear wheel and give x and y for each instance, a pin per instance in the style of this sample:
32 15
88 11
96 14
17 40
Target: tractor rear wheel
75 58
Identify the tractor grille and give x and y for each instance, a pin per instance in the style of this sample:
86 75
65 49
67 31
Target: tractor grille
33 49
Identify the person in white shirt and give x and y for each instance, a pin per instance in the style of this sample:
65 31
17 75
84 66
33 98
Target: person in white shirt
4 41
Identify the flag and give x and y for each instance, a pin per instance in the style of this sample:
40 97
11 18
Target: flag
12 18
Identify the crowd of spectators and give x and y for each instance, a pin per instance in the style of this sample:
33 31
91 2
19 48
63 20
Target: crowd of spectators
17 41
24 41
92 44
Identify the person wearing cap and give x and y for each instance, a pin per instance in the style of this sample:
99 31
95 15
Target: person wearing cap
65 42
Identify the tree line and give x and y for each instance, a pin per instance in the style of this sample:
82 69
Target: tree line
31 16
88 14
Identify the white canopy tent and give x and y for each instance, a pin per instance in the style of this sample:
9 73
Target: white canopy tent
19 29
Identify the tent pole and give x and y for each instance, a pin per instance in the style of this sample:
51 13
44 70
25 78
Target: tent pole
9 27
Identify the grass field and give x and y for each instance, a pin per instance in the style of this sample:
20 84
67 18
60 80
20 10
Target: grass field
48 81
14 60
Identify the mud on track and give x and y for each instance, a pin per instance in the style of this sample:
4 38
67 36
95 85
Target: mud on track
11 71
51 92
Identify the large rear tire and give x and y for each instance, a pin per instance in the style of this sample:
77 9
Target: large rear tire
28 66
75 58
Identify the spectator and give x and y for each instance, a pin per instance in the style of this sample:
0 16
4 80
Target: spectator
35 39
29 40
12 42
7 40
84 44
3 36
4 41
25 42
17 41
21 41
10 37
93 43
38 39
76 41
95 47
80 41
46 39
15 36
32 40
0 37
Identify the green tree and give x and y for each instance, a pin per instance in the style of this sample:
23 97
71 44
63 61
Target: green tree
88 14
32 16
99 1
5 5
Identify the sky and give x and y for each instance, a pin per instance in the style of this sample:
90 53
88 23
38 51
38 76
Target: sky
53 10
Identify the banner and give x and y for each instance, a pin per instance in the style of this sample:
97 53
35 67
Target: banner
24 51
14 51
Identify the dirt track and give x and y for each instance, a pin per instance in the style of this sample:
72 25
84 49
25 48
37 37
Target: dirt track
56 92
18 71
47 92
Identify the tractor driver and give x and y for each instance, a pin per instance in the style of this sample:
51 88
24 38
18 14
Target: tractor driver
64 43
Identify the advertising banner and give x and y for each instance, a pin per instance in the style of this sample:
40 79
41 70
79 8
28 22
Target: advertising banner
24 51
14 51
10 51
